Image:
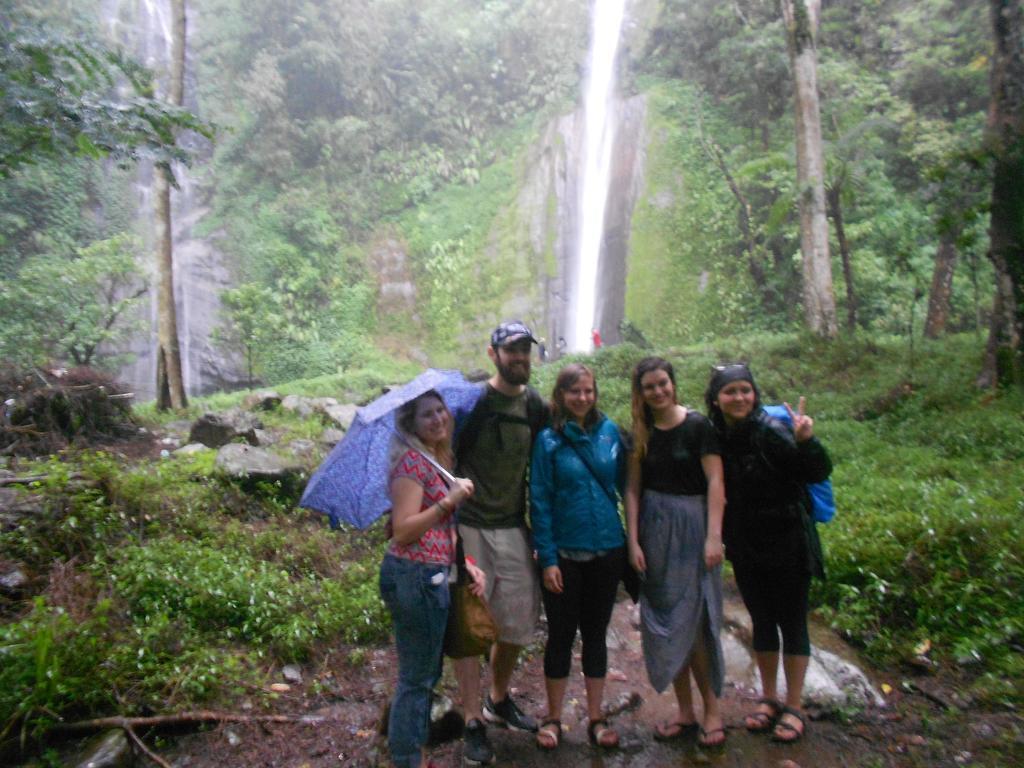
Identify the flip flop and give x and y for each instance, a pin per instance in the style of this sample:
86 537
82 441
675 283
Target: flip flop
763 721
684 731
786 733
707 743
549 735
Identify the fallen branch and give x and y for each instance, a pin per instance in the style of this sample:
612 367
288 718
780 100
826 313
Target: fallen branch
185 718
146 750
932 697
28 479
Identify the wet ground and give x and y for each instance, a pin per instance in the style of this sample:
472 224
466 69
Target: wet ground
918 724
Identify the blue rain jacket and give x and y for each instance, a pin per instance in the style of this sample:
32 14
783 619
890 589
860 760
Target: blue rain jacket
568 507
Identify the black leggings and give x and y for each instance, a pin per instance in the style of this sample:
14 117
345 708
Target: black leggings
586 602
777 601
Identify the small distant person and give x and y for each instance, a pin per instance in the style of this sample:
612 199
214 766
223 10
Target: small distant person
493 451
542 350
595 336
576 479
769 537
562 345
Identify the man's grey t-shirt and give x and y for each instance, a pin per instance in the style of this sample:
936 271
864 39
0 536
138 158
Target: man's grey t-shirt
496 464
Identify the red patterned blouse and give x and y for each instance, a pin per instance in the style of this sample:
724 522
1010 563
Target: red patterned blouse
437 544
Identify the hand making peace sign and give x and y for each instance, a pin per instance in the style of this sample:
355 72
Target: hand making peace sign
803 425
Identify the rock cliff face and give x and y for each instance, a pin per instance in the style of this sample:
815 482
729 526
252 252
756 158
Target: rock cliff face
548 205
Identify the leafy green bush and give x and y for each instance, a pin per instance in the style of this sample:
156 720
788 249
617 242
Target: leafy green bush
234 596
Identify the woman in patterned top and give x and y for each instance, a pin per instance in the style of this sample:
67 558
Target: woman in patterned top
414 574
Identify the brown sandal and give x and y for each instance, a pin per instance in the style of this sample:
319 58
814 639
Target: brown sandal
760 721
788 733
549 735
602 735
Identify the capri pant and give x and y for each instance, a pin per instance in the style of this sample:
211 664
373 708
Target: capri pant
585 604
777 600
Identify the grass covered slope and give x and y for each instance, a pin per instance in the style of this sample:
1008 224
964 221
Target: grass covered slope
158 584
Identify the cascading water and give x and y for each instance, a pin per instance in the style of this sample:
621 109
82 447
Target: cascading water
198 273
599 138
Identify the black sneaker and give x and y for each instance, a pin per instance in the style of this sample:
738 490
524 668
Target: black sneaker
476 749
506 713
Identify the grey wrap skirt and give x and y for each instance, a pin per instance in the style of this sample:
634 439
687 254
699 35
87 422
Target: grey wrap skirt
678 589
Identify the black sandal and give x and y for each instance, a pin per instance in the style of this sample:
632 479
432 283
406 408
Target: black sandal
764 721
598 730
544 733
686 731
786 729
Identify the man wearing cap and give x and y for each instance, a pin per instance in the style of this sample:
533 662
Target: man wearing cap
493 450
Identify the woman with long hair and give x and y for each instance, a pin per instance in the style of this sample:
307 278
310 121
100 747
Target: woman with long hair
674 506
414 574
769 536
576 477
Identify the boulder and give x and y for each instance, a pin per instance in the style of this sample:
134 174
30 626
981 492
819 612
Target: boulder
191 449
302 447
245 461
265 400
341 415
331 436
299 405
217 429
109 749
13 581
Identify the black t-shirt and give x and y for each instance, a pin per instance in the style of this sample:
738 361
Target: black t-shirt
672 462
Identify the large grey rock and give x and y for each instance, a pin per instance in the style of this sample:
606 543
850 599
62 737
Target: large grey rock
246 461
299 405
191 449
217 429
331 436
341 415
13 581
109 749
264 400
831 682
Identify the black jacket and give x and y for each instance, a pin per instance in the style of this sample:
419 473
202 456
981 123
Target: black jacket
767 512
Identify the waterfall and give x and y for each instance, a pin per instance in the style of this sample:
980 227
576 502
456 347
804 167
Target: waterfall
198 271
599 138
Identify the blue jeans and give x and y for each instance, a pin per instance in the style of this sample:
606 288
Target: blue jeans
417 596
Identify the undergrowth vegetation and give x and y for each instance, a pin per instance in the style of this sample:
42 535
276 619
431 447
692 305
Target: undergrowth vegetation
160 584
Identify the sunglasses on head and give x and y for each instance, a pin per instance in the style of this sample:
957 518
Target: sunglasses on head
728 367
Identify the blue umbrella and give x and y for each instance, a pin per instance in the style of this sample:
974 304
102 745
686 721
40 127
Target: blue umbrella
351 485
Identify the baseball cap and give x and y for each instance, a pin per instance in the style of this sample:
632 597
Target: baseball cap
510 332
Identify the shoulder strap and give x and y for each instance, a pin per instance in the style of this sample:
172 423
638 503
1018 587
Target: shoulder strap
470 431
586 462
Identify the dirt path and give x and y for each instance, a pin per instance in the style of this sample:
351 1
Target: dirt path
914 729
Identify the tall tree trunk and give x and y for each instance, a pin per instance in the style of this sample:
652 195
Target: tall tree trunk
942 286
755 265
834 195
1005 137
170 385
801 17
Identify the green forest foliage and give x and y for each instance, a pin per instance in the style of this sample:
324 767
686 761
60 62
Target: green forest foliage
347 124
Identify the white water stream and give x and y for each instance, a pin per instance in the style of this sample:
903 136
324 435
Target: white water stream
599 137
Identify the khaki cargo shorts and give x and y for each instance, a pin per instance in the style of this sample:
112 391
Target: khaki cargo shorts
513 588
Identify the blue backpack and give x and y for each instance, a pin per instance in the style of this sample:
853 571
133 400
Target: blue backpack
823 503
